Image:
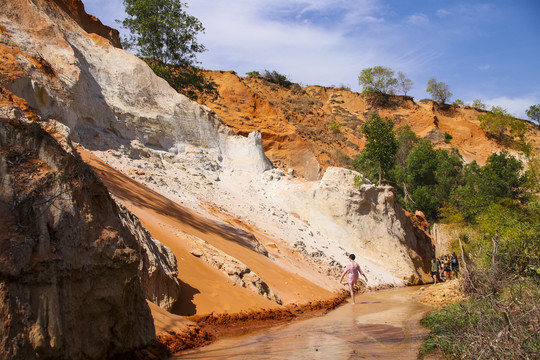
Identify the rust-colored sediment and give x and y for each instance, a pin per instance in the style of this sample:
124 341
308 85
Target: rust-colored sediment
193 337
213 326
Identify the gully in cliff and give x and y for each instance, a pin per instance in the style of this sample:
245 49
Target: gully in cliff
354 270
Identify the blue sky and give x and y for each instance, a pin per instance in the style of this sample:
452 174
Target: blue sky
483 50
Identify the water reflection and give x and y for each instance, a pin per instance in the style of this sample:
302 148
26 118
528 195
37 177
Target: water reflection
382 325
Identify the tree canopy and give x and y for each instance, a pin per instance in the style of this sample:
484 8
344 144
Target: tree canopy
438 90
377 80
163 31
534 113
404 83
381 144
165 37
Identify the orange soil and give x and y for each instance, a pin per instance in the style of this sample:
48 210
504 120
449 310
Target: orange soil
295 122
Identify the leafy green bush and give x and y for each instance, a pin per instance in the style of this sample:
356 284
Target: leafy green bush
277 78
335 126
187 80
479 105
358 180
448 137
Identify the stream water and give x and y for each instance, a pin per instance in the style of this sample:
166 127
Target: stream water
381 325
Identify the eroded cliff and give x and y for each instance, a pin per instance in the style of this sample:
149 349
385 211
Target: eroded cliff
69 268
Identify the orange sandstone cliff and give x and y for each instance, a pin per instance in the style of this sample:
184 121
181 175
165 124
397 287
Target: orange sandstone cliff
295 122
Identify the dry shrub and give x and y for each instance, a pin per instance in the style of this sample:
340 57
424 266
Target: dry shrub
500 321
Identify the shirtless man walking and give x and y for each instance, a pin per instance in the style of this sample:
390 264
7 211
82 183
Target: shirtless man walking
354 270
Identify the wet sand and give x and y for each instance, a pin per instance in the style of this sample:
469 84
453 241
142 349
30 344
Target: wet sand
381 325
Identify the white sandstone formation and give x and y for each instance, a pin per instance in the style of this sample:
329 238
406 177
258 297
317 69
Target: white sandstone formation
109 97
364 219
238 272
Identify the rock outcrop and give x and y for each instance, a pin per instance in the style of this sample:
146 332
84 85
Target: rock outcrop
158 270
90 86
239 273
69 283
364 219
91 24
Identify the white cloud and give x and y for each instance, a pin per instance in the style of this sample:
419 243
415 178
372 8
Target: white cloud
484 67
443 13
515 106
418 19
248 35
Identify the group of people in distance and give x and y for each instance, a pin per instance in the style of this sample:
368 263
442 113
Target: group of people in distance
444 268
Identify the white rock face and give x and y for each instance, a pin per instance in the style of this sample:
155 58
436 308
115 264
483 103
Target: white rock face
109 97
363 219
247 153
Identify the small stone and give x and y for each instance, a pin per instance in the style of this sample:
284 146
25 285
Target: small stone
196 252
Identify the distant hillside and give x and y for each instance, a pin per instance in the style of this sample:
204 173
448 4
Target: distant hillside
310 128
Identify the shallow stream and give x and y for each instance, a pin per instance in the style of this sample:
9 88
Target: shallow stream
381 325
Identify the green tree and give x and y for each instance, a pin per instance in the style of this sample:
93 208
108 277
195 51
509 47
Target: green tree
431 177
502 177
421 164
534 113
439 90
277 78
496 122
469 200
479 105
381 144
407 140
163 31
165 37
377 80
404 83
448 175
512 235
459 102
420 179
